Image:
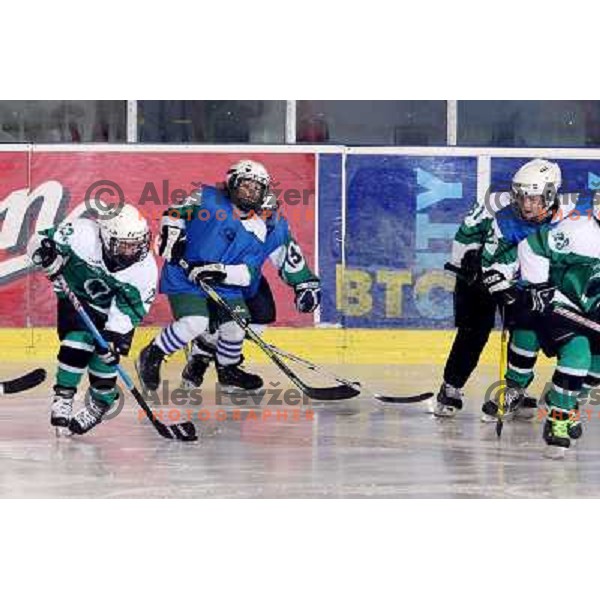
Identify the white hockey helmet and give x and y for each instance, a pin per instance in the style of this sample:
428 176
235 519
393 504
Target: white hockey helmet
538 177
248 171
125 238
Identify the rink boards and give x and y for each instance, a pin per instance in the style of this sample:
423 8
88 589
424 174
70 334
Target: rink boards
377 224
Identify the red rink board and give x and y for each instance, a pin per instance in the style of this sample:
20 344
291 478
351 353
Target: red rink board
41 189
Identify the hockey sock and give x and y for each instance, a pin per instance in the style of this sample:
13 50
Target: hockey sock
103 379
523 350
229 344
179 333
574 360
76 350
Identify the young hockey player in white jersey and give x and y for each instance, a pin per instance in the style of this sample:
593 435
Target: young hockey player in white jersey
286 255
486 249
108 265
563 267
537 207
221 238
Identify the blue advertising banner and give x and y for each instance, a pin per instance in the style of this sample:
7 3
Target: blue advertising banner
329 231
401 215
578 175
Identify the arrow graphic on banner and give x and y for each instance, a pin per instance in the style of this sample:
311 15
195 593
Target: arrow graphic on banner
593 181
437 189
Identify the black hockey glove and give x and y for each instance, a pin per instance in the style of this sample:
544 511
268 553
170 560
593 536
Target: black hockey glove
497 285
308 296
119 344
213 274
48 258
537 298
171 243
470 266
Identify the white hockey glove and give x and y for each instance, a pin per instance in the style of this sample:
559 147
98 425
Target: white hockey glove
171 243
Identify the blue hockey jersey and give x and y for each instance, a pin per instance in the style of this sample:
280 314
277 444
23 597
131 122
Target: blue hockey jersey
215 234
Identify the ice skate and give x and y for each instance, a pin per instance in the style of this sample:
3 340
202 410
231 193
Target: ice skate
89 416
148 366
449 401
513 400
62 408
234 379
556 432
193 373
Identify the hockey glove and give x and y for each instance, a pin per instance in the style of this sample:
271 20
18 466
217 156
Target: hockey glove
538 298
308 296
48 257
471 267
497 285
171 243
119 345
213 274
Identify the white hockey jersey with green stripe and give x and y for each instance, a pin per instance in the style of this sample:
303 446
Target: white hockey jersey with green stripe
568 257
124 296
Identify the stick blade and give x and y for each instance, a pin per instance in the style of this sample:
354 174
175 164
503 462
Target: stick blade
339 392
404 399
24 382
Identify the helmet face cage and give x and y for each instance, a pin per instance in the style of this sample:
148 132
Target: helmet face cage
248 172
548 195
124 252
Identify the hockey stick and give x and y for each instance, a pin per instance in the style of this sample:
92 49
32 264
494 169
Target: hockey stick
501 377
185 432
339 392
577 319
380 397
22 383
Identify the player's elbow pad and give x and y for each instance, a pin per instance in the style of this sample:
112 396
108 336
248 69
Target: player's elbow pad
237 275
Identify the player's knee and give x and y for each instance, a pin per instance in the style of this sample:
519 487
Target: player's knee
231 331
190 327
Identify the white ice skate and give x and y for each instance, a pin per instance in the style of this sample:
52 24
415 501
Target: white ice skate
62 410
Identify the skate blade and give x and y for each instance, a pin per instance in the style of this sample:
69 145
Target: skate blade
187 385
62 432
445 413
489 419
232 390
555 452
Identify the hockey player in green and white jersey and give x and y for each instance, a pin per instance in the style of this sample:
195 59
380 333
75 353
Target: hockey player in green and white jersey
562 266
108 265
537 208
485 249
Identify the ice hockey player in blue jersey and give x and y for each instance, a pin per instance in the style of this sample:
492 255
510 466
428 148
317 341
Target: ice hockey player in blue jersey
222 239
286 255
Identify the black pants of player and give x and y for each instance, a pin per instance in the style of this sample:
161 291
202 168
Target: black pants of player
262 305
474 314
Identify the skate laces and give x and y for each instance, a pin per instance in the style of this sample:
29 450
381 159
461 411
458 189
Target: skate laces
561 427
452 392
